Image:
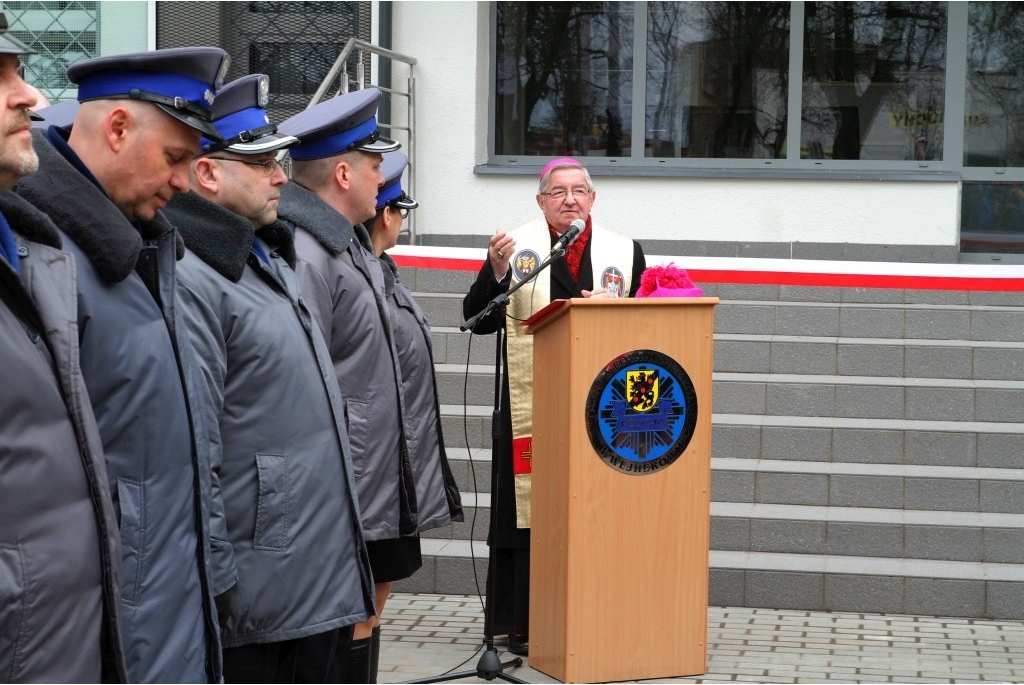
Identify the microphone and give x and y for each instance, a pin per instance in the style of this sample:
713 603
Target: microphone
570 235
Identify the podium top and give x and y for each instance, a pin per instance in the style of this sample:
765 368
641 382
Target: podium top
559 308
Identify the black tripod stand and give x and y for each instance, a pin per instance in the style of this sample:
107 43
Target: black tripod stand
490 666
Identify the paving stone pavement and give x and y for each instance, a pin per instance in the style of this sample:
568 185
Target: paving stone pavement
428 635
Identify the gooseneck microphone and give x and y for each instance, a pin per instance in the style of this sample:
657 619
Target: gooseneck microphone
570 235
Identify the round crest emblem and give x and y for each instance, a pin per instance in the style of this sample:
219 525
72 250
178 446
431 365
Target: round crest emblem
641 412
523 263
614 281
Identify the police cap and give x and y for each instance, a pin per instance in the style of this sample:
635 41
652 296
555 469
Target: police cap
240 116
180 81
391 192
9 45
341 124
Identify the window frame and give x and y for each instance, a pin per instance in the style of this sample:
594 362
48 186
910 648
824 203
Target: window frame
951 167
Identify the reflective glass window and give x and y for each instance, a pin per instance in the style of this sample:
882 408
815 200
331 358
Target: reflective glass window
994 109
717 75
564 78
873 81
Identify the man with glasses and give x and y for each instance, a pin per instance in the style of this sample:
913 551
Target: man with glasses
104 182
336 170
59 551
599 263
292 577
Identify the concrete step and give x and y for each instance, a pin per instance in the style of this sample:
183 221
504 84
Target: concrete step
817 438
855 320
876 486
864 441
811 582
844 531
781 394
899 320
756 353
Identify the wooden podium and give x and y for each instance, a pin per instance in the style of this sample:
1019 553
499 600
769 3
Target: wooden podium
619 559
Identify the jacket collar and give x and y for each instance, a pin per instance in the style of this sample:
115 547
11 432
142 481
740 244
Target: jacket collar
27 221
85 213
302 207
222 238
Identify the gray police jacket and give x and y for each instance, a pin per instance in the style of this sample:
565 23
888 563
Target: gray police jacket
436 491
279 450
141 379
59 547
342 284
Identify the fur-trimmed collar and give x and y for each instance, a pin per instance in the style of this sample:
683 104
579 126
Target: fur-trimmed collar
303 207
27 221
86 214
222 238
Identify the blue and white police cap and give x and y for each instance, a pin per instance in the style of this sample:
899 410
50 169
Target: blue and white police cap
9 45
342 124
60 115
180 81
391 193
240 116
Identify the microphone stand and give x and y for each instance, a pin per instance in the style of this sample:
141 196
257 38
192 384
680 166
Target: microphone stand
490 666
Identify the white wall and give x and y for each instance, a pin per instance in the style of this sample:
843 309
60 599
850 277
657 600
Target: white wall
450 40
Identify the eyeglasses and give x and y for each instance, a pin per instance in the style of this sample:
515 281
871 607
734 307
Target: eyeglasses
269 165
557 194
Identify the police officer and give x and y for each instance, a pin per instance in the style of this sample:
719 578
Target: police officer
104 184
303 579
336 172
59 551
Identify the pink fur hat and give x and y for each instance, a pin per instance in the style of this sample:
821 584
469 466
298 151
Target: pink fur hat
667 281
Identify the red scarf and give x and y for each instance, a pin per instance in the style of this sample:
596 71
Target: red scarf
574 257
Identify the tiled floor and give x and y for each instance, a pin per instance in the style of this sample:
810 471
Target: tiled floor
427 635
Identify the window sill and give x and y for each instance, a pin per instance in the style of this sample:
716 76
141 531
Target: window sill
734 172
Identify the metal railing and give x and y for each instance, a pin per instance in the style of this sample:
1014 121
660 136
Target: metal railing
339 80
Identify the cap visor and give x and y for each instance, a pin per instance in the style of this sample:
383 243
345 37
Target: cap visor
192 121
405 203
9 45
267 143
381 145
35 116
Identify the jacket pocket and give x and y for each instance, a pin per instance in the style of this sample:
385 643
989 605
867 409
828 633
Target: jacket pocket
273 504
357 421
133 530
12 612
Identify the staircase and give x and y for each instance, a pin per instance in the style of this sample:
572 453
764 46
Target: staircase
867 448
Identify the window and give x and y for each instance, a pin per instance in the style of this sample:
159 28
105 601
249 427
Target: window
564 78
874 80
716 79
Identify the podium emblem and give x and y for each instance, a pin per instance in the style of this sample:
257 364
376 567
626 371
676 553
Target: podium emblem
641 412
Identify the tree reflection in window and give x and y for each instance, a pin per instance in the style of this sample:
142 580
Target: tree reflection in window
993 125
564 78
874 80
717 76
